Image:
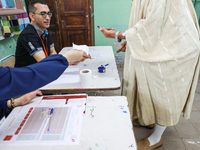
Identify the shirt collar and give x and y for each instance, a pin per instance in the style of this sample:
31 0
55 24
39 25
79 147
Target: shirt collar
40 32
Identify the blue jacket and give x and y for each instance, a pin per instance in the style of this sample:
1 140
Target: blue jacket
19 81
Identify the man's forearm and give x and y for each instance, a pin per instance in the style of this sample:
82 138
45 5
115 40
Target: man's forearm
52 51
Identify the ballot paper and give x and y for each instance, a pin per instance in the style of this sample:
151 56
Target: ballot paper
84 48
38 125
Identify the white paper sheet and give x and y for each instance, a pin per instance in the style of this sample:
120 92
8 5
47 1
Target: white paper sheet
84 48
70 75
53 102
71 100
29 125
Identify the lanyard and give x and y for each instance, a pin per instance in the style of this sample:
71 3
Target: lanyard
45 49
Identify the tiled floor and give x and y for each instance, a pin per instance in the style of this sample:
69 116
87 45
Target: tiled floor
183 136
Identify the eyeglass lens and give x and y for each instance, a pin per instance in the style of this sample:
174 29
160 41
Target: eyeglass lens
44 14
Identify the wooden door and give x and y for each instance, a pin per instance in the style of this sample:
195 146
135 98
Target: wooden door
76 21
54 29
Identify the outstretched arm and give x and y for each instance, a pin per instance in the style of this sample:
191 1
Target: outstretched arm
110 33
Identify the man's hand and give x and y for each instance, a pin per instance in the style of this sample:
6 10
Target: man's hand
123 47
74 56
108 32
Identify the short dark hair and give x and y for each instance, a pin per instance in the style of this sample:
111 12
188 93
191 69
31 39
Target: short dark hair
31 6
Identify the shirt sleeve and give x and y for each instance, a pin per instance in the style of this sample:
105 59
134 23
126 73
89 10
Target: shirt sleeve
50 41
4 110
32 44
52 45
19 81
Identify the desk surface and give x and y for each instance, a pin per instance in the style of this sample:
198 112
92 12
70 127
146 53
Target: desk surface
101 55
106 126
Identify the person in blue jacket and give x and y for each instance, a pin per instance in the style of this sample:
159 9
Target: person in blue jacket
18 81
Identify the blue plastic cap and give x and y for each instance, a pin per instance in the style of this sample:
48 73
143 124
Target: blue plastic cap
102 69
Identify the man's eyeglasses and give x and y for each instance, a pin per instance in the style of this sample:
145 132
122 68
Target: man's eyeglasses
44 14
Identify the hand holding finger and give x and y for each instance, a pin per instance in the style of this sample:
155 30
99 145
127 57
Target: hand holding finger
119 50
123 47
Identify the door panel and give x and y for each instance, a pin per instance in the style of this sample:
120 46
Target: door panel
76 35
75 22
73 5
54 29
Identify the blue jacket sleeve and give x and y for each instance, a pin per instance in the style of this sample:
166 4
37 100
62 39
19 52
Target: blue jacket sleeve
4 110
19 81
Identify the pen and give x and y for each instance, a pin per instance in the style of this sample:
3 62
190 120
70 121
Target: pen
51 113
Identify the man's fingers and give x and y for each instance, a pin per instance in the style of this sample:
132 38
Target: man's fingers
100 28
119 50
122 49
109 29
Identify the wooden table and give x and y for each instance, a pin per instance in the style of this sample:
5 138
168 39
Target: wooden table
106 126
101 55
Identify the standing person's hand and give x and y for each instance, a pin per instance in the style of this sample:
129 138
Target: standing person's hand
108 32
74 56
123 47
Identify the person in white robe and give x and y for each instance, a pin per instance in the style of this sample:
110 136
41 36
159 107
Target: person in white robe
161 66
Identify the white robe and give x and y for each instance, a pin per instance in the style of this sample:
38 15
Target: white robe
162 60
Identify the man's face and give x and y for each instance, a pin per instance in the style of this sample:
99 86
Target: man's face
39 20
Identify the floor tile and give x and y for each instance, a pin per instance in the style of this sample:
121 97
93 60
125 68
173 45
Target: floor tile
194 108
195 117
192 144
171 133
183 120
187 131
174 144
91 93
161 148
141 133
198 87
197 96
197 104
197 127
117 92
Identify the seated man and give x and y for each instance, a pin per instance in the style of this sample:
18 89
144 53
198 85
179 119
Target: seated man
34 42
